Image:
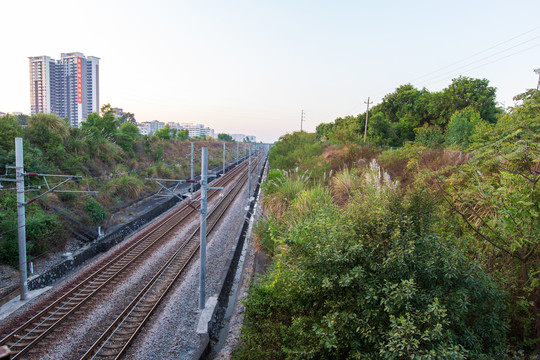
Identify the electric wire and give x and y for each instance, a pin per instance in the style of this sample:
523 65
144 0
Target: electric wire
487 57
440 77
475 54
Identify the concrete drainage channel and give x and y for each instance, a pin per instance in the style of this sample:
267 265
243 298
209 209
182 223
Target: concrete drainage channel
212 321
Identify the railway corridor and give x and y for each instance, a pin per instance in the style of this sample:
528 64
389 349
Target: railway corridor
170 331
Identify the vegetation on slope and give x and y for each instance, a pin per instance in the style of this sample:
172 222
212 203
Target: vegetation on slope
111 157
437 259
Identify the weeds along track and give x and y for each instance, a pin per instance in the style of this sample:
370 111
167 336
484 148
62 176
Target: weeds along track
116 339
36 329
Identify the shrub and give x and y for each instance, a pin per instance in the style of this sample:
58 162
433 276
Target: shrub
372 283
95 210
429 136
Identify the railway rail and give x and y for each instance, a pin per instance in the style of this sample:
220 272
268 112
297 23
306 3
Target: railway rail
26 336
115 340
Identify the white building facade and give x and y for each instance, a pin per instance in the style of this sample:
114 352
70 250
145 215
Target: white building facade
68 87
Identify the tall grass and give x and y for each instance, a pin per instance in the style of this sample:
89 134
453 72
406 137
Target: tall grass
344 184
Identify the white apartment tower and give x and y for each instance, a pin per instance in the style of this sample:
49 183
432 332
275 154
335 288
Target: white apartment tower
68 87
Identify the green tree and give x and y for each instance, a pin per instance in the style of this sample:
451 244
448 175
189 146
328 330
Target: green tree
128 118
182 134
461 127
164 133
105 126
224 137
106 109
48 132
9 130
429 136
127 136
498 198
299 149
468 92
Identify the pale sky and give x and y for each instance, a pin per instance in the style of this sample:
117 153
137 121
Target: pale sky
251 66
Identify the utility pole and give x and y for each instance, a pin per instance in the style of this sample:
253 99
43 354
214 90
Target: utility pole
223 172
191 178
203 211
537 71
302 119
258 162
21 224
367 118
237 152
204 185
249 174
21 206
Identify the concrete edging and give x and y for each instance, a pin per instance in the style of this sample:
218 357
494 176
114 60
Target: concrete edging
209 326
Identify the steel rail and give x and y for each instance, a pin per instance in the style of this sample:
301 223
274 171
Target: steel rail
120 334
32 331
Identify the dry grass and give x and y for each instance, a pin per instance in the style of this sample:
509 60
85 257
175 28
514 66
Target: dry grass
344 184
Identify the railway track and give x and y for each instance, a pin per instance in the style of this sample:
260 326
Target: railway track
26 336
116 339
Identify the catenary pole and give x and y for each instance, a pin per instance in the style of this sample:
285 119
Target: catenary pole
249 173
237 152
223 172
204 184
367 118
21 221
191 168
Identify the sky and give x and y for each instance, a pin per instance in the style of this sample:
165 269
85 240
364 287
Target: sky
251 67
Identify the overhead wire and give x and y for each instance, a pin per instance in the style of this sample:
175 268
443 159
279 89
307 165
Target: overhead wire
487 57
466 66
475 54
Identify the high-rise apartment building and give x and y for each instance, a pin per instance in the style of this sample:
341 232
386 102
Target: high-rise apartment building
68 87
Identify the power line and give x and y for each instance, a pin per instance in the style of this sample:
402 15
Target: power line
487 57
441 77
475 54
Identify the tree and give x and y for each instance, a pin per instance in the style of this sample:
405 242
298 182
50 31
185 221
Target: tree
9 130
127 135
224 137
498 198
164 133
23 119
106 109
182 134
48 132
461 127
468 92
128 118
105 126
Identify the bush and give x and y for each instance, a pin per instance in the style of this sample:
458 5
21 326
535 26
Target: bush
429 136
372 283
95 210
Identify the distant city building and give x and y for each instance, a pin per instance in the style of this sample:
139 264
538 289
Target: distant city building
144 128
174 125
2 113
155 126
150 127
195 130
242 137
118 113
68 87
